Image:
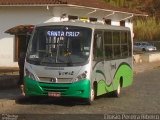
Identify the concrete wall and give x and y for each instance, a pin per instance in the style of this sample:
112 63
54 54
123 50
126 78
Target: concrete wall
11 17
151 57
147 57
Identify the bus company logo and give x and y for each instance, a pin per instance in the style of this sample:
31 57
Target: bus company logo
66 73
53 68
55 80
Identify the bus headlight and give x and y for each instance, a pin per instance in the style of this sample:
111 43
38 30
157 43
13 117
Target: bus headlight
30 75
81 76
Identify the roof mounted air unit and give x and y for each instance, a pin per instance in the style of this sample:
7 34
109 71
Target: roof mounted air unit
70 17
93 19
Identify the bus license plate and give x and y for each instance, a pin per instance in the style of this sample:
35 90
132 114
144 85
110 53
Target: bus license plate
54 94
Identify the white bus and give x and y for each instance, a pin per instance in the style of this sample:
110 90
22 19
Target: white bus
78 59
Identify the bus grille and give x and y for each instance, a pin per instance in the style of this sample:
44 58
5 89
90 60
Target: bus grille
49 88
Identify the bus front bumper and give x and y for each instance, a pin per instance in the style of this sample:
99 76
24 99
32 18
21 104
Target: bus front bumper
80 89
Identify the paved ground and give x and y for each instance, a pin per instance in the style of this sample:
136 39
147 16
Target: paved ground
141 67
143 97
8 96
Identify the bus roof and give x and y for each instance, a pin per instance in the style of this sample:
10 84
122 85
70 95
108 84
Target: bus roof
95 25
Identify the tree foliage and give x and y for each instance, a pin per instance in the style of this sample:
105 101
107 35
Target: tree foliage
149 6
144 28
147 29
124 3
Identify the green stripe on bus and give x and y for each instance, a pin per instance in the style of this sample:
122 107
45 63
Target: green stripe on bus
124 71
103 88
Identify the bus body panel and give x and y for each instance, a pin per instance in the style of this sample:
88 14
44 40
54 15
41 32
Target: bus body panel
79 89
68 84
69 74
109 73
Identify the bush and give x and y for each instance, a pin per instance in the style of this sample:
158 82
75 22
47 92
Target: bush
147 29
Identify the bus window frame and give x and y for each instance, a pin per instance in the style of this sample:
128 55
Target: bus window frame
120 56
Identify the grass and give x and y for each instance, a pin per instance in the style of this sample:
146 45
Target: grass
147 29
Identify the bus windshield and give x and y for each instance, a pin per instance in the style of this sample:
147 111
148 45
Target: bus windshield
62 45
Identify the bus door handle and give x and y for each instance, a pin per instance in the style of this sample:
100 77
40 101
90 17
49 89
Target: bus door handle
113 66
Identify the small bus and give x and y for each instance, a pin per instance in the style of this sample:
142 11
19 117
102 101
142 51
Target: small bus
78 59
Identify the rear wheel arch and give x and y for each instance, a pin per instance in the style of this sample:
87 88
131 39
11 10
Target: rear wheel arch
121 81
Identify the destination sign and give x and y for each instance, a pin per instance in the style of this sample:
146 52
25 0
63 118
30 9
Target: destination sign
63 33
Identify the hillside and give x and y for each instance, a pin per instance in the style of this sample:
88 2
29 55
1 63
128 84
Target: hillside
145 28
151 7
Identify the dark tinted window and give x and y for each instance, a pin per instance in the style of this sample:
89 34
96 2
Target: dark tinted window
117 44
116 37
59 44
107 37
108 47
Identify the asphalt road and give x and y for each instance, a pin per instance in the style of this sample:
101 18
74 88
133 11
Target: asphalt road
143 97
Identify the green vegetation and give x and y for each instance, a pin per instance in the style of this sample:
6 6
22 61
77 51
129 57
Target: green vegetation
118 3
124 3
144 28
147 29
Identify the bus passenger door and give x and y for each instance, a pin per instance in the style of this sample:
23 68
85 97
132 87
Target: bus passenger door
98 63
108 58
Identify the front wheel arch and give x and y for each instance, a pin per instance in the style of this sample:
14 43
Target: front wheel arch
93 93
121 81
95 88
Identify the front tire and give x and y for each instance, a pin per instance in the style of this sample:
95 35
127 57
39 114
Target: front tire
92 97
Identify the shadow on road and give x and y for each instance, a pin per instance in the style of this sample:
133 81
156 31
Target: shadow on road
62 101
49 101
9 94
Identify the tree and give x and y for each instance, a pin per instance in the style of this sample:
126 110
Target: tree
118 3
144 28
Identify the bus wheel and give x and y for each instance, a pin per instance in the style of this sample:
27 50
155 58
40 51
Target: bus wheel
92 97
117 92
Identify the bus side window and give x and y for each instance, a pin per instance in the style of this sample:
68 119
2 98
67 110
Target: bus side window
116 44
129 44
124 44
98 47
108 47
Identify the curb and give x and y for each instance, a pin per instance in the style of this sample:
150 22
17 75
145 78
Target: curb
7 103
8 98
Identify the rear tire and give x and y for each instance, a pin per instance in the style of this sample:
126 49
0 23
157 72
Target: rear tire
117 92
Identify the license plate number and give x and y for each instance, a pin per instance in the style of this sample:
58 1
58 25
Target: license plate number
54 94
